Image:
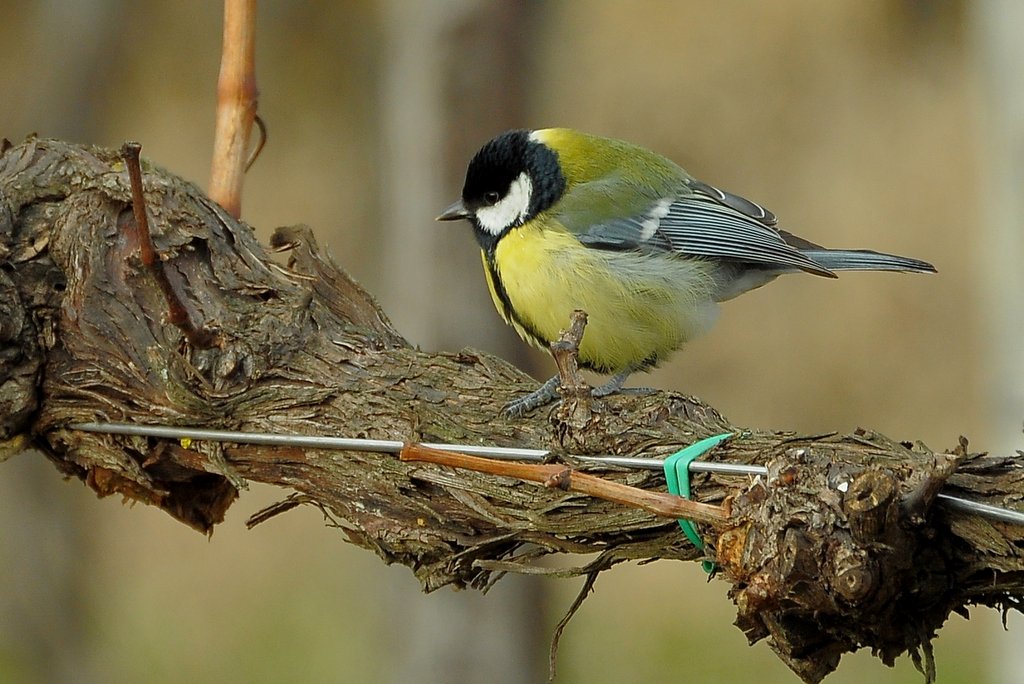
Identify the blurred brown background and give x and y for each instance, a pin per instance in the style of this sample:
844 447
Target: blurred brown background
861 124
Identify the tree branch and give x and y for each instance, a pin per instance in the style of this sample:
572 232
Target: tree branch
842 545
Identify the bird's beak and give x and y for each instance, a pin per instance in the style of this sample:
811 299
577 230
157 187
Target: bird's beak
456 211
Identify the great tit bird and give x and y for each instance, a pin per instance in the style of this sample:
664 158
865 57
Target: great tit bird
567 221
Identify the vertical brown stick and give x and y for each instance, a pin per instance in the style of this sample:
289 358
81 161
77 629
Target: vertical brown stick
177 311
131 152
236 104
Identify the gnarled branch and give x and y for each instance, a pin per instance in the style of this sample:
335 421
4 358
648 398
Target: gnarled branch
842 545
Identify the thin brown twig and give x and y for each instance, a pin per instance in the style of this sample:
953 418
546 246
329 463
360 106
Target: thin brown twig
556 637
130 152
564 351
236 105
576 407
261 142
563 477
177 312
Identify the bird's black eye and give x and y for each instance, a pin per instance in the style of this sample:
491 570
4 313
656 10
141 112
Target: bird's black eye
491 198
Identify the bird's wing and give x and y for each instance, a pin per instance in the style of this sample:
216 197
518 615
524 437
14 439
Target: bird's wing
696 219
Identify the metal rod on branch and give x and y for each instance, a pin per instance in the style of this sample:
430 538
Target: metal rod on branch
491 452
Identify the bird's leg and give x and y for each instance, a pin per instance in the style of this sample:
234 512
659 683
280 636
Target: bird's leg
548 392
615 385
544 394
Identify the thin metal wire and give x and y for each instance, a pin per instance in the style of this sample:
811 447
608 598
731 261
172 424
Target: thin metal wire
982 509
501 453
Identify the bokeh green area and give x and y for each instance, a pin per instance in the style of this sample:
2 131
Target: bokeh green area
858 123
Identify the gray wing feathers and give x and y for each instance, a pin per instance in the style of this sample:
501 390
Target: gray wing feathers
740 204
708 222
625 233
702 226
866 260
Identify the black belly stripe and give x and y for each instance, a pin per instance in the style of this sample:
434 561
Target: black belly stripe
513 315
510 313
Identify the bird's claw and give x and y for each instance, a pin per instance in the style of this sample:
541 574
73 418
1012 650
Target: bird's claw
545 394
548 392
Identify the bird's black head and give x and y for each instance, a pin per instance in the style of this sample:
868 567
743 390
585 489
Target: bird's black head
510 180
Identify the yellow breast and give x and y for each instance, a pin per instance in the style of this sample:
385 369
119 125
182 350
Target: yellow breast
640 307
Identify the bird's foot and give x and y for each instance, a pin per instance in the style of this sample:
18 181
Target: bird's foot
545 394
548 392
637 390
615 385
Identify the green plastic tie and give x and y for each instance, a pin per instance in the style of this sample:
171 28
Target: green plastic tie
677 475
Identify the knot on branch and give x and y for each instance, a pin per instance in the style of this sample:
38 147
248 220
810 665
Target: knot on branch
825 559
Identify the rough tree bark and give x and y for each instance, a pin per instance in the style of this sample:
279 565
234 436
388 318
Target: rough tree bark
840 547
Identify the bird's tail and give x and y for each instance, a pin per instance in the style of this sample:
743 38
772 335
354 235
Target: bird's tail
865 260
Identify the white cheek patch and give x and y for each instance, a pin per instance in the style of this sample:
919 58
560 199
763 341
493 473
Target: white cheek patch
650 224
510 209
